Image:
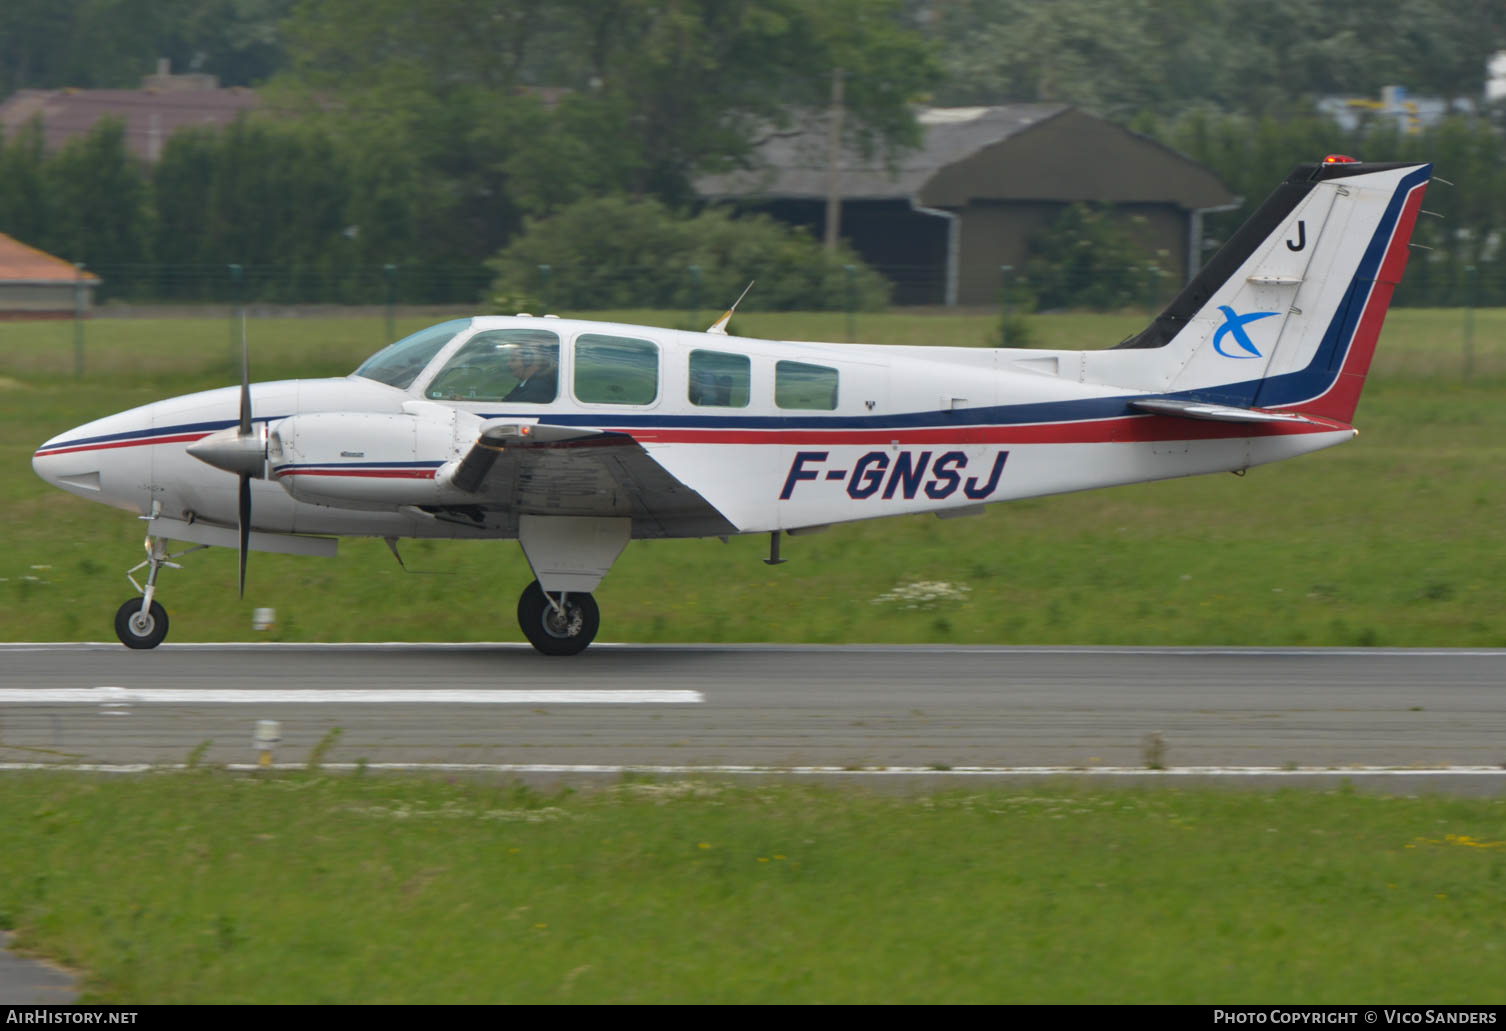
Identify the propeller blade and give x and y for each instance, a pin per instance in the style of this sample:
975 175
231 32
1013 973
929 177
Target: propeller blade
242 450
243 501
245 381
245 525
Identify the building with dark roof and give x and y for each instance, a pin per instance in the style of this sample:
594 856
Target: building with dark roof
164 104
36 285
942 221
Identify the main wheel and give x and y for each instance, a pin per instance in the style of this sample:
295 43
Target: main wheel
137 629
555 634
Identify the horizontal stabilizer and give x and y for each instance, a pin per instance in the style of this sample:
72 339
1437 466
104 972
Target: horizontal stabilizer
1218 413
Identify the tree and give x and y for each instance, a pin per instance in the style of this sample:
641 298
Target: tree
33 42
24 199
1086 260
1092 53
518 106
613 252
99 204
1120 57
111 44
1250 155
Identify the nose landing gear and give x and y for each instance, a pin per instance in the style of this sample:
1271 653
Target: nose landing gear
142 622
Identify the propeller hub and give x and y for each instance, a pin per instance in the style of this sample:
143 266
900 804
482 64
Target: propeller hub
228 449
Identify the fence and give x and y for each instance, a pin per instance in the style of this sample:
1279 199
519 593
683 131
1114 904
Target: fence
1433 279
292 283
1467 340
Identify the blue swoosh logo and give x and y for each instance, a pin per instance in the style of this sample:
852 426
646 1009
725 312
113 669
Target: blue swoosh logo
1235 325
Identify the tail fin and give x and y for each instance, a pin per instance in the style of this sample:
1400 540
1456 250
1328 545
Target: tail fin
1287 313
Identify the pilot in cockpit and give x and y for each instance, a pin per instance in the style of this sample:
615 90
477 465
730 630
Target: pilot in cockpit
537 373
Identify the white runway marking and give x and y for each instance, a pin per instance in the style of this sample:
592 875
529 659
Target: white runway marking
115 696
835 771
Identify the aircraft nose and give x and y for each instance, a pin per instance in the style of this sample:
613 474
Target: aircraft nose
64 462
39 465
44 462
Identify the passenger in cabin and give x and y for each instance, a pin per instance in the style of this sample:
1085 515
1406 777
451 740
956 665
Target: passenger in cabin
707 389
537 373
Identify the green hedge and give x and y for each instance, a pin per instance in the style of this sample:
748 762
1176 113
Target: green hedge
612 252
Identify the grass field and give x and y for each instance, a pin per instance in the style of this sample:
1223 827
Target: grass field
207 888
1393 539
1450 343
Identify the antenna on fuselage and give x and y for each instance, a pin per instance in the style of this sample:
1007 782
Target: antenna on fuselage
720 325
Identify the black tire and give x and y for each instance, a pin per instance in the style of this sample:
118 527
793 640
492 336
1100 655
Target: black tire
138 631
550 634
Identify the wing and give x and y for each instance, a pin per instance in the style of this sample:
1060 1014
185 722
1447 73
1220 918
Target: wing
525 469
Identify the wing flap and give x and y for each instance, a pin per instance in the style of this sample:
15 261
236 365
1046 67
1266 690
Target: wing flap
499 434
559 470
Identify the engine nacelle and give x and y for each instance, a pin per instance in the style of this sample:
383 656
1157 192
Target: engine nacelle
368 460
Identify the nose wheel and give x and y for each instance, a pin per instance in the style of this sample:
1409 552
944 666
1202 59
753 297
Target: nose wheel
140 626
558 624
142 622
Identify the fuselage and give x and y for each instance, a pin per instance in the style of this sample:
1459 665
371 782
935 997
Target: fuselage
772 434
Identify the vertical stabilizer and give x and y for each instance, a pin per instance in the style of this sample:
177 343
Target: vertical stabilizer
1287 314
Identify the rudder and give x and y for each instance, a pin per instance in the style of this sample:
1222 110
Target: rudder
1288 312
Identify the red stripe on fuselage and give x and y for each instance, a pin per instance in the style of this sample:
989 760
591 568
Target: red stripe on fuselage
179 438
1125 429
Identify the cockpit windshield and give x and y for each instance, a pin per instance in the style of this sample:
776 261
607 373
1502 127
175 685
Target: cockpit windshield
511 365
399 364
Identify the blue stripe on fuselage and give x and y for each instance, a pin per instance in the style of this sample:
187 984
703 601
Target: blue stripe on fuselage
154 431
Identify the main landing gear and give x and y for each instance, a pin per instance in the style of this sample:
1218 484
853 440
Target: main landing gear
142 622
558 624
569 554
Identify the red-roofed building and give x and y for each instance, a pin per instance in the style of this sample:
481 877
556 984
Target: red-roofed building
35 285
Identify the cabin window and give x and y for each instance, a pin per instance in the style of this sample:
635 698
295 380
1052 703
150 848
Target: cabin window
719 380
399 364
616 370
798 385
511 366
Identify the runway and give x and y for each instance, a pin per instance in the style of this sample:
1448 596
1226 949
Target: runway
1434 718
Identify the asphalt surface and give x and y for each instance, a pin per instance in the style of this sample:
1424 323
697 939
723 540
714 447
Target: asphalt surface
769 706
1393 720
29 982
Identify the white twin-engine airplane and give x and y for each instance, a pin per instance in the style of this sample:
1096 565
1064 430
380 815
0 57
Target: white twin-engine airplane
575 437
